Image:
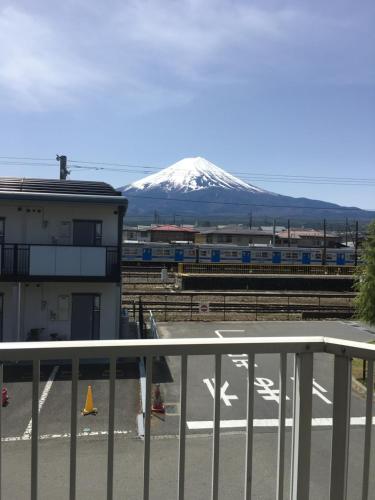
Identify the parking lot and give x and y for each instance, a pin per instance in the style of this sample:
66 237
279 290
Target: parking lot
55 400
266 376
54 426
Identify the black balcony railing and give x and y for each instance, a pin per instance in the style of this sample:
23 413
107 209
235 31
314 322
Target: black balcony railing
16 258
112 262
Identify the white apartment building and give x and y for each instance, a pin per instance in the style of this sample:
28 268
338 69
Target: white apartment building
60 260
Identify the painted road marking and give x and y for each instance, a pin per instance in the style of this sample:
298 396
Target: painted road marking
225 397
318 390
267 422
11 439
266 391
27 434
236 358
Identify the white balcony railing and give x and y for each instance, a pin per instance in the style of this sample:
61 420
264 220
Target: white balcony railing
303 349
23 260
67 261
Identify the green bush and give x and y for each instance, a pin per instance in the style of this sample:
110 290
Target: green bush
365 280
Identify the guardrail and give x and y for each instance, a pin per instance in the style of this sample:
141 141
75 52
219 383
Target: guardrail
330 270
251 305
302 348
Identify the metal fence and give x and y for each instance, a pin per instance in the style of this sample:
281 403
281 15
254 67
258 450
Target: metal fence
210 306
330 270
302 348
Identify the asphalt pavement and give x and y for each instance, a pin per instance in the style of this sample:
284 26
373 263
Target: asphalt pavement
92 443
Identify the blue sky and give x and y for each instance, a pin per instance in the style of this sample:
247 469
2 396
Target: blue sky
264 86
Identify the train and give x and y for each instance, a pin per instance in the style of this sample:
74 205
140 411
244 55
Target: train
170 254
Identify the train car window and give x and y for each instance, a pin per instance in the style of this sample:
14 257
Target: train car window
226 253
352 256
204 253
331 256
167 252
130 251
235 254
291 255
191 252
265 255
318 255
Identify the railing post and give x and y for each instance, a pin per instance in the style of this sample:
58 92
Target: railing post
147 437
368 430
340 427
35 430
281 433
1 433
301 437
216 430
15 259
182 434
73 429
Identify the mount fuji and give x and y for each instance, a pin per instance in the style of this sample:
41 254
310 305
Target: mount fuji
195 187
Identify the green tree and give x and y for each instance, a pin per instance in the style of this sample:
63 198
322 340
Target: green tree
365 280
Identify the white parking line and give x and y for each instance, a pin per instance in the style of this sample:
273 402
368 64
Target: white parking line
267 422
42 437
221 336
27 434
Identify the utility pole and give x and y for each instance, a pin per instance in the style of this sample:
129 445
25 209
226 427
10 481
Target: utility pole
64 172
274 233
346 232
156 217
250 220
356 244
288 232
324 254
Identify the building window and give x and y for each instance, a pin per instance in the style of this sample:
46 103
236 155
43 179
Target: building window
2 230
87 233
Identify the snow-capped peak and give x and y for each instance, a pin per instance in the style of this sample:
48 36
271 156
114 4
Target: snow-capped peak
191 174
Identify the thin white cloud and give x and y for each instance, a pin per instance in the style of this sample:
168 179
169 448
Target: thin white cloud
147 54
36 70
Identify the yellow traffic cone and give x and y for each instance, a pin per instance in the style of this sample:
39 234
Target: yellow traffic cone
89 406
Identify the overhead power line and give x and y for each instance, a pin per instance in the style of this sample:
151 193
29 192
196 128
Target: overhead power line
263 205
251 177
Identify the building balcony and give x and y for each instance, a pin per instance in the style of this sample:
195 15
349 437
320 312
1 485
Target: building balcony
27 262
302 349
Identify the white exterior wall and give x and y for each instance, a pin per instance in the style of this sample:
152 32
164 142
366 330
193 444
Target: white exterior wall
136 235
39 308
43 223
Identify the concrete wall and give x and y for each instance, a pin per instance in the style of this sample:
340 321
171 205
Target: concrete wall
39 306
266 283
50 223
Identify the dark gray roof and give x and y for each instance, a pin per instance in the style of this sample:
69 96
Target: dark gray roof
56 190
247 232
57 186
